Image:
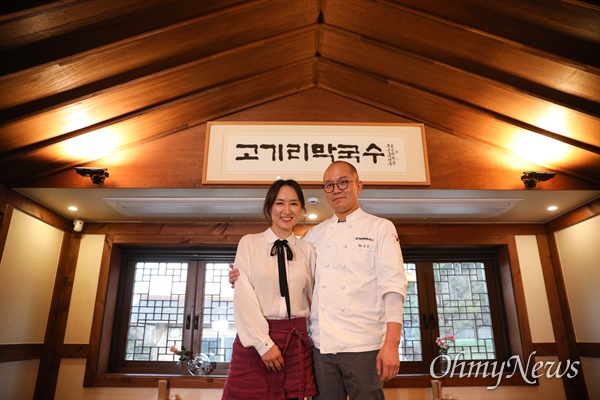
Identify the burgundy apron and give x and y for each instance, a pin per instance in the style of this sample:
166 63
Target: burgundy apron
249 379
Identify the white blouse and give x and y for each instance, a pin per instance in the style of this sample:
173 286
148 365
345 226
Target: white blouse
256 295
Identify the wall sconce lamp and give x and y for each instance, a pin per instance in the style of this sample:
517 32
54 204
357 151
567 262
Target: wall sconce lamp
531 179
96 174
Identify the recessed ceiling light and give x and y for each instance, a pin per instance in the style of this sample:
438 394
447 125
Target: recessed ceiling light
552 208
312 216
72 208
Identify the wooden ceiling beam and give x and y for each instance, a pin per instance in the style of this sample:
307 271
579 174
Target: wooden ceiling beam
123 61
58 18
160 88
20 168
43 33
568 29
457 85
539 73
449 116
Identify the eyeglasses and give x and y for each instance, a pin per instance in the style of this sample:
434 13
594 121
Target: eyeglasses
342 184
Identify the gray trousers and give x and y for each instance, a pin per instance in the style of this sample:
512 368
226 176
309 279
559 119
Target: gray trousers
342 374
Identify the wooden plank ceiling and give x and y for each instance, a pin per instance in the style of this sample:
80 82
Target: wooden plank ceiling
491 72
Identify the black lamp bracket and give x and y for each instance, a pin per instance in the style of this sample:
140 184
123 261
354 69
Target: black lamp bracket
97 175
531 179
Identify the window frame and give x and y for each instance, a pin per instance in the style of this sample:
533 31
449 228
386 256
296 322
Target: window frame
102 370
424 261
124 298
191 339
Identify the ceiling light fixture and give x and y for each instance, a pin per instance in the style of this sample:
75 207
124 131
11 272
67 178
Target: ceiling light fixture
552 208
531 179
96 174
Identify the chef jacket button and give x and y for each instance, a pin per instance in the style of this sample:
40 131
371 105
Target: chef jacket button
328 246
343 266
326 265
343 287
266 344
322 307
345 245
323 285
343 308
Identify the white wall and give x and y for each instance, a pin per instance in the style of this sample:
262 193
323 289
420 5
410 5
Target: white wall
536 299
17 379
85 284
579 248
27 274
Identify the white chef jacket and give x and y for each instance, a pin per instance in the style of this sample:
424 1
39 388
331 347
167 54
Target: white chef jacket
358 262
256 296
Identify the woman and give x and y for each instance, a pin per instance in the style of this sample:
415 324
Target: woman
272 354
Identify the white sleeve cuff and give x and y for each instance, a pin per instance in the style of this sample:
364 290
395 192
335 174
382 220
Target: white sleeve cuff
265 345
393 304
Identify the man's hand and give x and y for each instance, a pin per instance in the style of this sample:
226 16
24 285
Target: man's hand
234 274
388 359
388 362
273 359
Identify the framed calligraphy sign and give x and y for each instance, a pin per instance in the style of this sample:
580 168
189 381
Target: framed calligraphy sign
261 152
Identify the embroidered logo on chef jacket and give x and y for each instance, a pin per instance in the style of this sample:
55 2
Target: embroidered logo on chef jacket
364 243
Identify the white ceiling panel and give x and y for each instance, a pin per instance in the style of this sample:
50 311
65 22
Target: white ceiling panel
186 207
441 208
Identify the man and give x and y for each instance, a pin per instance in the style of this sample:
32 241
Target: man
358 298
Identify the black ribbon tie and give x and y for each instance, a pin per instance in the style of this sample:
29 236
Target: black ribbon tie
278 248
